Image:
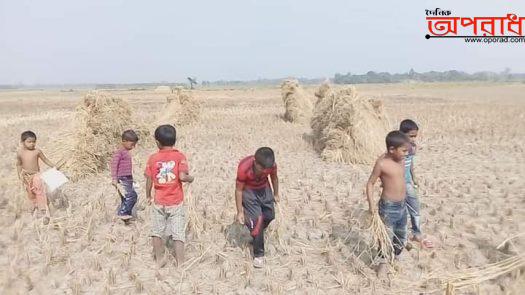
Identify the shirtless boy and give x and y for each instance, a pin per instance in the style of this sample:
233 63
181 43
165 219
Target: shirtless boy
392 206
28 170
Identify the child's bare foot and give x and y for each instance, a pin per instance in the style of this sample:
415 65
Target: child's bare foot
417 238
382 270
427 244
161 262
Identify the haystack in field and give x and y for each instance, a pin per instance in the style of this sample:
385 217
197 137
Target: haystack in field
182 109
323 90
100 120
298 106
348 128
163 89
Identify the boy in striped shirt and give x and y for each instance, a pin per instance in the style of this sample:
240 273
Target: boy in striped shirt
122 175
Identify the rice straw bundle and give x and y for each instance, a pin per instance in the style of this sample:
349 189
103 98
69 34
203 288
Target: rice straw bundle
278 227
298 107
194 223
380 237
182 109
476 276
348 128
322 92
100 120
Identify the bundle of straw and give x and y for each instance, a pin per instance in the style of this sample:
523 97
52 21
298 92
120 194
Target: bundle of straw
381 239
349 128
298 107
182 109
278 227
322 92
476 276
99 122
194 223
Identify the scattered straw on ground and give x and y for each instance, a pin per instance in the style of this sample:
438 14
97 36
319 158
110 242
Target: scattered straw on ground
99 122
477 275
349 128
182 109
298 106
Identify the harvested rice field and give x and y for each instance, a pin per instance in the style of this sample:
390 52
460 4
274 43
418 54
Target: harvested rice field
470 166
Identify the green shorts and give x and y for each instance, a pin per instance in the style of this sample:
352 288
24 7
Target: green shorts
168 221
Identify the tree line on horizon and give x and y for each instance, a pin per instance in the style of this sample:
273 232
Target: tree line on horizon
431 76
338 78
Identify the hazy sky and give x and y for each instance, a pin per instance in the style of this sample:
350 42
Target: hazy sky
110 41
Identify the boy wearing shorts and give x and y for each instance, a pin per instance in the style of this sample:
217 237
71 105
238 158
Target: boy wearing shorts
165 172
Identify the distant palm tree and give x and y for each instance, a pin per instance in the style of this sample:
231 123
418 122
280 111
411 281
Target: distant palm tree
193 81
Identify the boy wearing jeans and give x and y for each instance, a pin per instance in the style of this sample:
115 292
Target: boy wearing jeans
410 129
392 205
165 172
122 174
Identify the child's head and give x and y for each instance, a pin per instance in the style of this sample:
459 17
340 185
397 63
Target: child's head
129 139
28 139
397 145
264 159
165 135
409 128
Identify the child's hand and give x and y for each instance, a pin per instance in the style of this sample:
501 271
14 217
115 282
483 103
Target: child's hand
240 217
277 198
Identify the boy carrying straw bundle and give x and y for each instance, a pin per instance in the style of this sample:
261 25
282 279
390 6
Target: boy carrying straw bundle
254 198
28 170
122 175
392 205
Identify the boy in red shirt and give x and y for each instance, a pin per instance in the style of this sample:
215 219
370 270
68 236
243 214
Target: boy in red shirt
165 172
254 197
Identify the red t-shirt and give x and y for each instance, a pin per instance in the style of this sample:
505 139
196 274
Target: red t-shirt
246 175
163 168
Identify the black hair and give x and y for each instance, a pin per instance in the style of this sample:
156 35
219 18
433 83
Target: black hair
407 126
27 134
166 135
396 139
130 135
264 156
